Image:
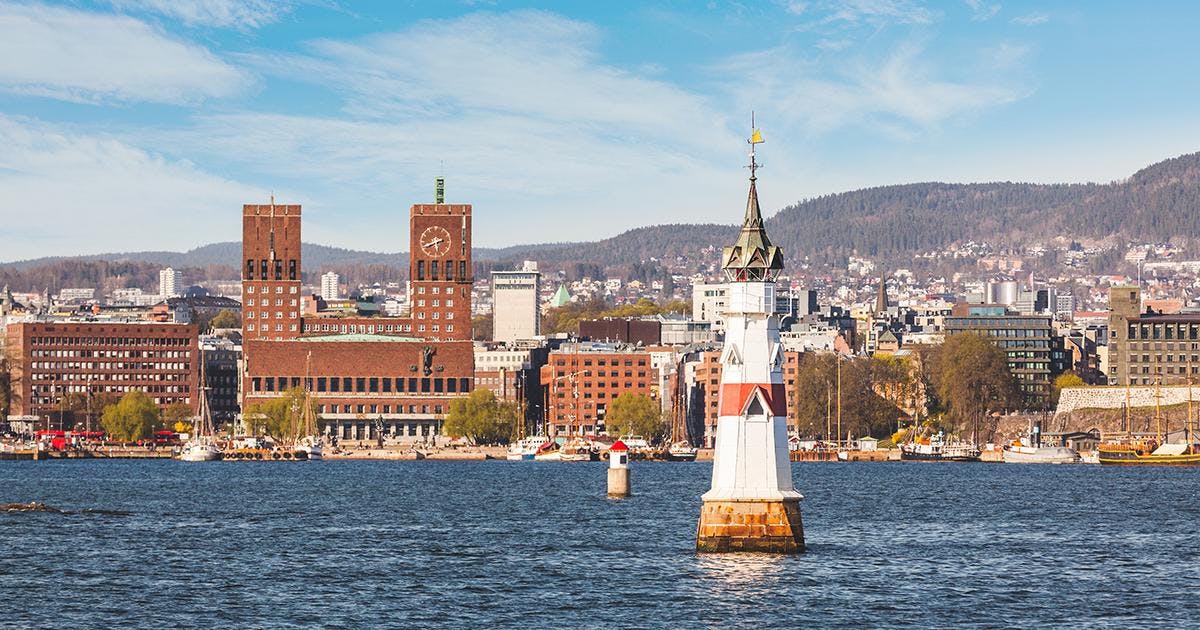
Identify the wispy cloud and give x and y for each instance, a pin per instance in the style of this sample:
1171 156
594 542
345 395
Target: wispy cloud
89 57
93 193
519 107
1031 19
982 11
876 12
240 14
901 94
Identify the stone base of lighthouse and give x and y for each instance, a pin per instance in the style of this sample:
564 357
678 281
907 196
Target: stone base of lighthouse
765 525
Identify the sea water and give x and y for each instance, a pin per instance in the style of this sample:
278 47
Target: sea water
537 544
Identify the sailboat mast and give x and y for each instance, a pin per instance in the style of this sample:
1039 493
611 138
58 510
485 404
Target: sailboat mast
1158 424
839 400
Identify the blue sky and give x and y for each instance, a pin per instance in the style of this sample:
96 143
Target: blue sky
145 124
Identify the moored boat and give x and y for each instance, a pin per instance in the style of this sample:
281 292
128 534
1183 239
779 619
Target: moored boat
202 445
1019 454
1147 453
936 449
577 450
549 451
681 452
525 448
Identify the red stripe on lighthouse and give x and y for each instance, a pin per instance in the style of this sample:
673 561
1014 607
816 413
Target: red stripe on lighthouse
735 395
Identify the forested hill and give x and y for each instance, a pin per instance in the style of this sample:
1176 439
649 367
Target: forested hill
1158 203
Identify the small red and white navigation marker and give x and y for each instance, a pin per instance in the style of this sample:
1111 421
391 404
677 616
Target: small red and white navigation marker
618 470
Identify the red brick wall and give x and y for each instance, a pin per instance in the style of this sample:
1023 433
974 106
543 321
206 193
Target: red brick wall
368 364
270 296
440 238
53 358
597 386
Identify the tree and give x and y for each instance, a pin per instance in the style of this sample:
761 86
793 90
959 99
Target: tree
633 414
481 418
281 418
177 412
865 381
972 379
182 427
5 384
226 319
133 418
1065 380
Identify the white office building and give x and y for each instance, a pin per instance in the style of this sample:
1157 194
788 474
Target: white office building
330 282
170 283
516 311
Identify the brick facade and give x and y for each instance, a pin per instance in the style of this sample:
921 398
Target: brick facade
369 374
52 359
597 378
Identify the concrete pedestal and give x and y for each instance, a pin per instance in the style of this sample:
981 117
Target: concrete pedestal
618 482
772 526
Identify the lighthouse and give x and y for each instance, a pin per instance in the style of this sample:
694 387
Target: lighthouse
752 505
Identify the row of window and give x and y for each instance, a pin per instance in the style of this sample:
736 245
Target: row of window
363 384
600 362
149 389
1166 358
1164 331
615 385
111 354
267 302
105 365
365 409
435 270
267 327
110 341
268 270
278 315
91 375
1145 369
266 290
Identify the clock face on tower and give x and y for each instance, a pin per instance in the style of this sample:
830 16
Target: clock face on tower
435 241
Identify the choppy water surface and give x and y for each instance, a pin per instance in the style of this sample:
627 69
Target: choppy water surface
537 544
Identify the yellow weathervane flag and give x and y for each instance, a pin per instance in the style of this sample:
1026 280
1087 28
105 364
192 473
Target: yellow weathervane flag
756 137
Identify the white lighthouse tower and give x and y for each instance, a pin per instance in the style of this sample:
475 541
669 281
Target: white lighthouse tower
752 505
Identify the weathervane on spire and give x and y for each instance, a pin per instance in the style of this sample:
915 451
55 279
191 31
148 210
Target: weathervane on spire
755 138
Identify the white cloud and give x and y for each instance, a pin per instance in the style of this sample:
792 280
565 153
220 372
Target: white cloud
528 63
878 12
242 14
89 57
982 11
65 192
519 107
1031 19
901 95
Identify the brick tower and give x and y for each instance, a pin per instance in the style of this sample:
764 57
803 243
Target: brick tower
752 505
440 271
270 271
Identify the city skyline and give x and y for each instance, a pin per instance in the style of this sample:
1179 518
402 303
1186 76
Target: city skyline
170 116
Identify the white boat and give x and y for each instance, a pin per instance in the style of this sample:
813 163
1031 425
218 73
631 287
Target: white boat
1040 455
549 451
682 452
311 446
577 450
309 441
200 450
202 445
525 448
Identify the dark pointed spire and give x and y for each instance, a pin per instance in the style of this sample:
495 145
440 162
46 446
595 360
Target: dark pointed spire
752 257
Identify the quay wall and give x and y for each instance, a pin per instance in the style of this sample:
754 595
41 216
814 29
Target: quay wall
1113 397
